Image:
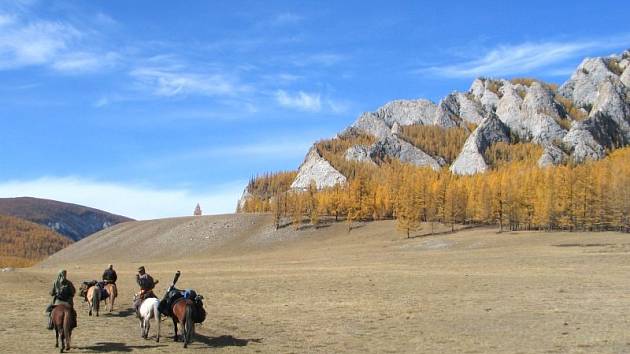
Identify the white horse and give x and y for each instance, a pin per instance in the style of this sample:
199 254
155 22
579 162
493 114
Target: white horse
149 310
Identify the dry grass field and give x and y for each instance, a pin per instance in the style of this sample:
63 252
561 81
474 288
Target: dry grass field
324 290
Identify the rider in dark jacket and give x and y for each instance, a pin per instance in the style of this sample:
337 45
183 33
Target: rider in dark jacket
144 280
146 284
62 292
109 275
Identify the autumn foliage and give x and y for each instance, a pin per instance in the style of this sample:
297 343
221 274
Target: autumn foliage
23 243
437 141
515 194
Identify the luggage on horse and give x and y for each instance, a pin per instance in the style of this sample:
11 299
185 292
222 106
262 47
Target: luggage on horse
88 284
175 295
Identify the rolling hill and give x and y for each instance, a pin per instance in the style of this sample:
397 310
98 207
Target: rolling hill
23 243
71 220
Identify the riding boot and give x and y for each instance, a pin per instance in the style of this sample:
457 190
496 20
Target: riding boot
136 306
48 313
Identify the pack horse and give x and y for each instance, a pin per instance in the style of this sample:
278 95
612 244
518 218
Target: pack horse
184 307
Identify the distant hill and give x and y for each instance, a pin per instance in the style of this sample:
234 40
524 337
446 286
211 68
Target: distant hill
22 243
71 220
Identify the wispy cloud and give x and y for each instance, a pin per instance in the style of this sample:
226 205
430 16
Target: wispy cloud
26 40
301 100
525 58
164 81
37 43
80 62
136 201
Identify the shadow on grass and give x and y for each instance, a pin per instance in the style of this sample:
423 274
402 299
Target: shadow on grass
115 347
123 313
445 232
224 341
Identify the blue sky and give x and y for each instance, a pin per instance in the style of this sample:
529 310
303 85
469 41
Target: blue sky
145 108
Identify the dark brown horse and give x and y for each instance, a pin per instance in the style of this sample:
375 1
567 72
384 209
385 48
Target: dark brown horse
64 320
183 312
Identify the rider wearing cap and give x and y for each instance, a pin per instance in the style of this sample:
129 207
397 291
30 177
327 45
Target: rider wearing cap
146 284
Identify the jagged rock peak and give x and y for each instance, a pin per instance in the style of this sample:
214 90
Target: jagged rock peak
317 169
582 87
470 160
486 91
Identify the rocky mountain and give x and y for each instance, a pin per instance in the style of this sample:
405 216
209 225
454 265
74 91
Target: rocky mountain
583 119
71 220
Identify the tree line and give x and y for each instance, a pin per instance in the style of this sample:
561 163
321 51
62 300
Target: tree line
23 243
515 194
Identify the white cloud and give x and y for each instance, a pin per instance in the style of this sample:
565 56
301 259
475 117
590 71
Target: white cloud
138 202
36 43
85 62
301 100
524 58
173 81
29 40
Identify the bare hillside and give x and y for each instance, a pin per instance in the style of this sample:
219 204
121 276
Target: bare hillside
164 239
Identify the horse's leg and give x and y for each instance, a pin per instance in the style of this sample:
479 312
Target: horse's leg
156 315
56 337
112 297
147 325
175 326
63 340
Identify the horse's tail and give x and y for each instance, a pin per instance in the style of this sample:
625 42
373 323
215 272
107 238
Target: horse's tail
189 325
156 314
68 324
96 299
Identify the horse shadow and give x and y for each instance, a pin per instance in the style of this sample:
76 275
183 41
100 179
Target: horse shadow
115 347
123 313
224 341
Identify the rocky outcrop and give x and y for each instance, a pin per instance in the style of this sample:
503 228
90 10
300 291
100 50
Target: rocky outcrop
528 110
371 124
552 155
316 169
243 200
407 112
470 160
394 147
608 124
482 90
583 85
458 108
531 112
358 153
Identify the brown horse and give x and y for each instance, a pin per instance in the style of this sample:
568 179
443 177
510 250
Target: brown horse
64 320
182 311
112 293
93 298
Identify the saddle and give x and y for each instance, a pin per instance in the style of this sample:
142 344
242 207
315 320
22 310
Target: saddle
175 295
88 284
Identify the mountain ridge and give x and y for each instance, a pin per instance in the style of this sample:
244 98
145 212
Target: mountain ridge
71 220
582 119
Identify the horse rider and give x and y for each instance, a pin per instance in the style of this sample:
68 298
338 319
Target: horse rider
62 292
146 284
109 275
